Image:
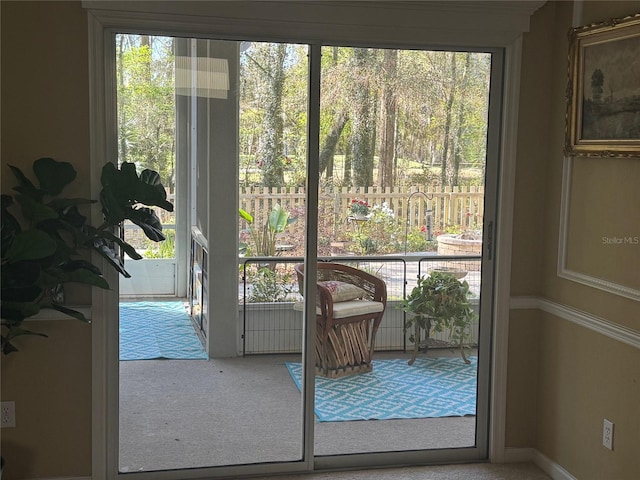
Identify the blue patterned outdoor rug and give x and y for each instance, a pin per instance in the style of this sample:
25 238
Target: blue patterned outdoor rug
150 330
431 387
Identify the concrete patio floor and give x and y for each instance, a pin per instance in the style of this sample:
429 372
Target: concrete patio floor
196 413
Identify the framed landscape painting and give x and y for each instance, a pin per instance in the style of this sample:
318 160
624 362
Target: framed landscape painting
603 94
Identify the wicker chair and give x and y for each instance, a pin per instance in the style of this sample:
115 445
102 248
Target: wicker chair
346 323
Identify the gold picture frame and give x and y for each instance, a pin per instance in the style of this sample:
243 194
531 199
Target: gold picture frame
603 93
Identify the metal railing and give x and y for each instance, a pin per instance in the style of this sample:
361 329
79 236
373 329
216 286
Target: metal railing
268 288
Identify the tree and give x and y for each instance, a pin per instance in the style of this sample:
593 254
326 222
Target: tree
273 109
269 58
446 174
146 103
330 145
460 127
388 112
363 125
427 108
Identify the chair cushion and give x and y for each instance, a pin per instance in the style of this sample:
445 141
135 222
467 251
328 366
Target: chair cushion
341 291
349 308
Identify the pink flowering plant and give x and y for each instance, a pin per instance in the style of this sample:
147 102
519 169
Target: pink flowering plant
358 207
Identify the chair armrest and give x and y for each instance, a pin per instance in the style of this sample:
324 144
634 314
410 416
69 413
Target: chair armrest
324 300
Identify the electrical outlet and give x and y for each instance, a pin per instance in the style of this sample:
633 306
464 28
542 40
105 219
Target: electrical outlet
8 410
607 434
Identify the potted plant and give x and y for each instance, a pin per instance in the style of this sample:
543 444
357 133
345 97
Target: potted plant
358 209
439 303
46 243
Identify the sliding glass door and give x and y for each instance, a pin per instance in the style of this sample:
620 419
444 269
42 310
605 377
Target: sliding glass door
277 146
202 403
403 160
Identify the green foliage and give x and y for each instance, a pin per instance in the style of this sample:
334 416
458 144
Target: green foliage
436 103
47 247
380 233
122 193
146 102
270 285
264 237
165 249
273 117
440 302
453 229
417 241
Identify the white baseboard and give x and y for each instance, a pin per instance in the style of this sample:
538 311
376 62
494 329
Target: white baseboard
548 466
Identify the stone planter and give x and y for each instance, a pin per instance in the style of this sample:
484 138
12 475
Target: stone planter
459 245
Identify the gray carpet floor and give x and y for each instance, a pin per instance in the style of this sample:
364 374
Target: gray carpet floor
195 413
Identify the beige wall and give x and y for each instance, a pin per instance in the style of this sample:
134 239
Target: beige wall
562 380
45 112
557 403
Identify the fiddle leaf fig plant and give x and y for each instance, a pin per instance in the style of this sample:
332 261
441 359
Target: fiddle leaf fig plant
45 239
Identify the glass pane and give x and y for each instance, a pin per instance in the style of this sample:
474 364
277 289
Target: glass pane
178 104
146 122
403 155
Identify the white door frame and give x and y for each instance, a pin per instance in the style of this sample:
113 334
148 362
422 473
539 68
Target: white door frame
105 303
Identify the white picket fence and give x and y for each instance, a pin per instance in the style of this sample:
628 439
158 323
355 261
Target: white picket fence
448 206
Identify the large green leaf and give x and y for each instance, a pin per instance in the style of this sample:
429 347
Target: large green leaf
76 264
147 219
110 237
71 215
68 211
34 210
25 186
9 226
7 346
151 177
151 192
246 215
5 201
109 254
122 189
50 277
114 212
121 183
86 277
53 175
31 245
128 180
109 176
69 311
279 219
76 235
